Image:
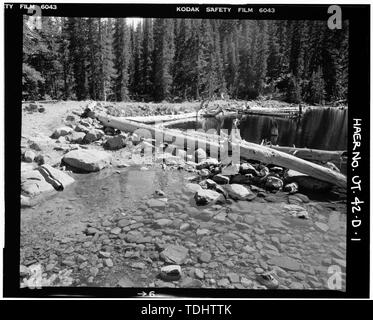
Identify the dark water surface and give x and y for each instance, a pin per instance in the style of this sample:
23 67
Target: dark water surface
324 128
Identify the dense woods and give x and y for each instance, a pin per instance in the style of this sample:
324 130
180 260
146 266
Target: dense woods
184 59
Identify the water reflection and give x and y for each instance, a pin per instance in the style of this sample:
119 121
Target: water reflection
318 128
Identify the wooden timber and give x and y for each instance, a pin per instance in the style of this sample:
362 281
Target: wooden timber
248 150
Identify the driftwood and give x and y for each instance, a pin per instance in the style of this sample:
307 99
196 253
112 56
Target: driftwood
313 154
250 151
163 118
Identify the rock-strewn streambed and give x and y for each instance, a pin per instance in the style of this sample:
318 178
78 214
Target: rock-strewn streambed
218 226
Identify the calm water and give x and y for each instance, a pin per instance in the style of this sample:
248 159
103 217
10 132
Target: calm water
319 129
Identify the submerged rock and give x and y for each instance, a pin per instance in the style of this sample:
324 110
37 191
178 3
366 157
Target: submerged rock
174 254
239 192
205 197
87 160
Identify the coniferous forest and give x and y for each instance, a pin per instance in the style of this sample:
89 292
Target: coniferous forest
184 59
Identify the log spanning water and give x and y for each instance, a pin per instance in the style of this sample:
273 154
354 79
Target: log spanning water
313 154
248 150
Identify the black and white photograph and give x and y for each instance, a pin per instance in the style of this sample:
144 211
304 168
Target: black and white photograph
186 151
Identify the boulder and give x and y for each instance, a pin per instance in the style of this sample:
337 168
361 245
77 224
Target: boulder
115 143
93 135
76 137
44 179
273 183
60 132
205 197
87 160
246 168
57 178
221 179
305 182
33 183
239 192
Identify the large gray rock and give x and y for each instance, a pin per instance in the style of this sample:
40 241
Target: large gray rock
305 182
115 143
239 192
60 132
87 160
33 183
205 197
57 178
44 179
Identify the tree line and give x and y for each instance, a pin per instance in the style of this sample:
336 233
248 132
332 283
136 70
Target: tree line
184 59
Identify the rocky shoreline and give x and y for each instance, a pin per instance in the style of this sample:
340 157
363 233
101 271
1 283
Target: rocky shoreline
246 226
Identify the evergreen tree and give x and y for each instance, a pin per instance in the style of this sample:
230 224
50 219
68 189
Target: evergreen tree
122 59
82 58
163 58
147 74
316 91
260 57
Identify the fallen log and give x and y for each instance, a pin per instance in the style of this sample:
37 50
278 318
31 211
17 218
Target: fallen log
162 118
248 150
313 154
